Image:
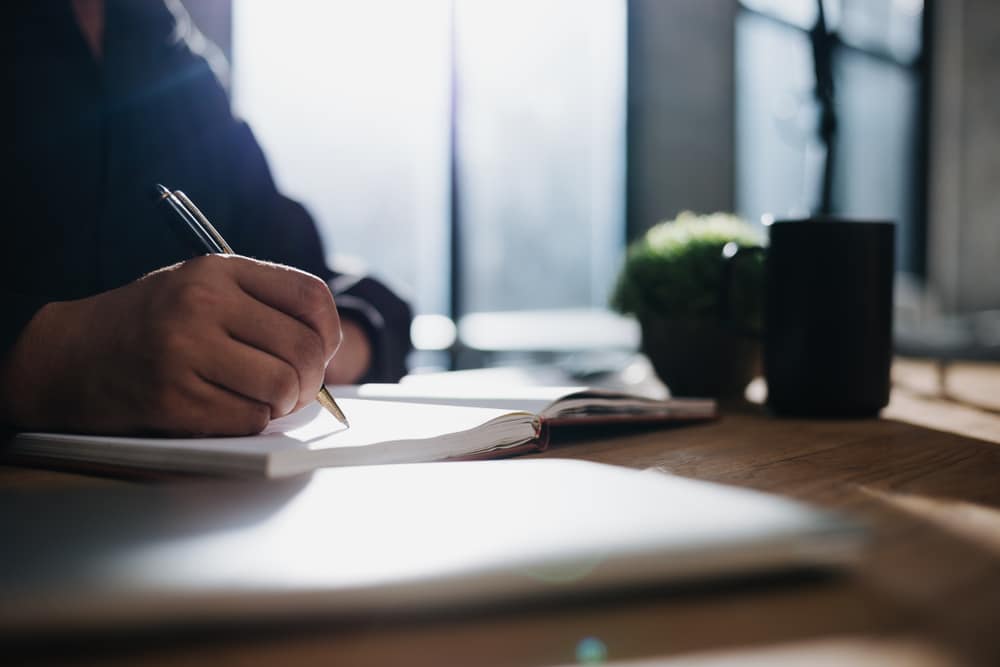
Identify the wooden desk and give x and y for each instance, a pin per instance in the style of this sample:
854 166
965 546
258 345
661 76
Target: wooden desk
926 475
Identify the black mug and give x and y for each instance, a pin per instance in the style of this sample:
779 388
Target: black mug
827 316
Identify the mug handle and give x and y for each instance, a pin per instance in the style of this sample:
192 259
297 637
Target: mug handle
731 254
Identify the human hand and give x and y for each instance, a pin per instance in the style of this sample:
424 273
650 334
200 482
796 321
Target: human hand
214 345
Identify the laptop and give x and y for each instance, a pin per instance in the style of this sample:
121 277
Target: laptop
384 540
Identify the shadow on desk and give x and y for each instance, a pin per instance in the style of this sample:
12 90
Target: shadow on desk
665 619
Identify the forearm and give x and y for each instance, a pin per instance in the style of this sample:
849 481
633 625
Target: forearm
32 396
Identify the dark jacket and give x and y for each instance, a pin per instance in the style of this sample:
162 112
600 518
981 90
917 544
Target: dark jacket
90 140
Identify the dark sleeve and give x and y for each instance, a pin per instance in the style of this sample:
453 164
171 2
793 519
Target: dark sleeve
387 324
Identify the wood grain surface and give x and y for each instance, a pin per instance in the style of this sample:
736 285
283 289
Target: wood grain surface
926 476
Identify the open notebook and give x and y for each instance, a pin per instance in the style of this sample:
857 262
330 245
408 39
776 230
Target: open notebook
382 431
555 405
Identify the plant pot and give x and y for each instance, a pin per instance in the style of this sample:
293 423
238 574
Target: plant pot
700 359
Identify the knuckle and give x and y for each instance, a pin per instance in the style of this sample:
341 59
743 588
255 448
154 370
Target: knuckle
317 303
308 350
285 384
338 336
256 419
192 299
205 263
314 293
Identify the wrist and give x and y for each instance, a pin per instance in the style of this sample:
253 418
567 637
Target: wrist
30 373
353 358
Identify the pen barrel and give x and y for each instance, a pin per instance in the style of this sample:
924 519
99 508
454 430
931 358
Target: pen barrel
186 226
326 400
208 228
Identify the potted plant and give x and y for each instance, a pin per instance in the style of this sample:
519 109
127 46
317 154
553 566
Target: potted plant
673 281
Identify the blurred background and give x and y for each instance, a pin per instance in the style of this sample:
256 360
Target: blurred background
491 160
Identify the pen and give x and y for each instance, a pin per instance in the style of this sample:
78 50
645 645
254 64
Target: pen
206 237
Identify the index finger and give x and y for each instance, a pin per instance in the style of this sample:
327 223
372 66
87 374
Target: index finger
296 293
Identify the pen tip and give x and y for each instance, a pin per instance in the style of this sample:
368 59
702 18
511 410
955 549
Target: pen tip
326 400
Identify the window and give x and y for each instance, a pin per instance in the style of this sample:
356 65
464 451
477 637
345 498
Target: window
351 100
540 114
877 52
371 111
